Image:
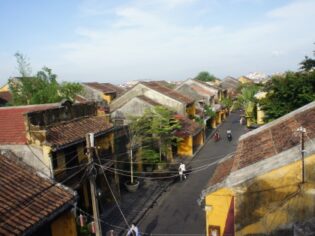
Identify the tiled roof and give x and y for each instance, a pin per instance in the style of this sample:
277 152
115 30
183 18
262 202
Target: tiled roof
27 199
201 90
188 126
115 88
168 92
222 171
81 99
148 100
105 87
12 122
75 130
6 96
270 140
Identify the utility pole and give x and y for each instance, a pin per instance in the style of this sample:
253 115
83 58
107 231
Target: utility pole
302 132
90 153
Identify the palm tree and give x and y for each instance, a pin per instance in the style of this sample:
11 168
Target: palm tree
247 101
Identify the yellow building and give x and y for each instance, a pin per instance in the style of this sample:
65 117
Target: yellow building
51 138
259 190
245 80
192 135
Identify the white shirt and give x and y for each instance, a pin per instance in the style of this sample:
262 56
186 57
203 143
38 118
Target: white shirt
182 168
133 229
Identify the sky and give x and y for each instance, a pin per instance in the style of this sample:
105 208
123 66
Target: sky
122 40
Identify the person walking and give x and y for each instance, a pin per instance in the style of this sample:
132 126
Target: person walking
181 171
133 231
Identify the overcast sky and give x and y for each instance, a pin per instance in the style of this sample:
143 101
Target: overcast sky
121 40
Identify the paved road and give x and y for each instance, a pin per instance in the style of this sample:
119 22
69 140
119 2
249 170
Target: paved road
177 211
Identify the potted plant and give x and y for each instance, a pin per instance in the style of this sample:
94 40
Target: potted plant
133 184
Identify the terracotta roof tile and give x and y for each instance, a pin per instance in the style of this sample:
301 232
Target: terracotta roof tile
222 171
275 137
75 130
12 122
269 140
26 198
169 92
105 87
188 126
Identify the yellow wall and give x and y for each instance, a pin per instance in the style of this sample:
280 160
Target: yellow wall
245 80
64 225
217 208
260 115
107 98
185 147
218 118
267 202
4 88
191 110
199 139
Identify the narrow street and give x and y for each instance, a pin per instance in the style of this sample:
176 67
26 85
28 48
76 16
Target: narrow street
177 211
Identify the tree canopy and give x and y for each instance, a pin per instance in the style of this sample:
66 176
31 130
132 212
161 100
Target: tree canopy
288 92
155 128
205 76
40 88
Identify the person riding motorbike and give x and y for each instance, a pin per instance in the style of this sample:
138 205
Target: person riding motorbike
229 135
216 136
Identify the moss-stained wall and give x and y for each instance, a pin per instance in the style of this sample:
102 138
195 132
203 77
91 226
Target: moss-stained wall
270 202
276 199
64 225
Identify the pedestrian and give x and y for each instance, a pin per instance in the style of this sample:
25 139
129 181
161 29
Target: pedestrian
133 231
181 171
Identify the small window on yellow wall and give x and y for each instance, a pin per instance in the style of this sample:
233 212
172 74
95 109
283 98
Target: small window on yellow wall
214 230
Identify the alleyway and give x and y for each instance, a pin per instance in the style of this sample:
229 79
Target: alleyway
177 211
170 206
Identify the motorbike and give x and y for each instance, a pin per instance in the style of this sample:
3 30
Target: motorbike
216 137
229 137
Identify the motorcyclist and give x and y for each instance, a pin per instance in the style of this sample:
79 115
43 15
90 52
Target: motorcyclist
216 136
229 134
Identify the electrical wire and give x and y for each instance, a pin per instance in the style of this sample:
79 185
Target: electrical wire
120 210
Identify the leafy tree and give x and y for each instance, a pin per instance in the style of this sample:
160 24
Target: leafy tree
307 64
24 66
155 127
41 88
287 93
227 102
205 76
247 101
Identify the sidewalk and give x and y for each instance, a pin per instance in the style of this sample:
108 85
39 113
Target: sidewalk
134 205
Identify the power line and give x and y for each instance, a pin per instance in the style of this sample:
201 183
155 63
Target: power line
121 212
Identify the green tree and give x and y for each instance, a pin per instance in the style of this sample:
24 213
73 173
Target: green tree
163 127
307 64
205 76
24 66
247 101
41 88
287 93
